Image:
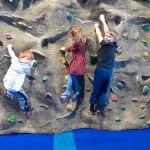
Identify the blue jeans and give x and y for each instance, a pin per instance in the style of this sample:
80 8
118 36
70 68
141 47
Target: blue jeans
102 78
72 82
21 97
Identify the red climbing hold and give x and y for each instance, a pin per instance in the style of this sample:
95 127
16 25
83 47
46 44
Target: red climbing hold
114 98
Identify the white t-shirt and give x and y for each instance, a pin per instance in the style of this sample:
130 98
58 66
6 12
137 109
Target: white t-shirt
15 75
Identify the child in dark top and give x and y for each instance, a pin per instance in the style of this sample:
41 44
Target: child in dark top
103 71
78 62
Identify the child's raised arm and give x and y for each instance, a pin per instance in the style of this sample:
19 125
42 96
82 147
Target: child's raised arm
98 32
102 19
11 52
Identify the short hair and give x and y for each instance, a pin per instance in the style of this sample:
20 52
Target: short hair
26 53
114 34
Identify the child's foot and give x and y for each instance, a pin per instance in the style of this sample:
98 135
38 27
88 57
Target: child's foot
63 99
8 96
29 111
75 96
93 109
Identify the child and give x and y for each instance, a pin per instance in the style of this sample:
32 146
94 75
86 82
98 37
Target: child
103 71
15 76
78 62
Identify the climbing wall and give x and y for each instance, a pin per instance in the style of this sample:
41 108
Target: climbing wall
32 24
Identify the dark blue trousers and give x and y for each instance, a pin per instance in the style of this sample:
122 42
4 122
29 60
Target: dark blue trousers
102 78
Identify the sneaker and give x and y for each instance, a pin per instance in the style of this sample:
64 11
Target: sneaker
8 96
102 111
29 111
75 96
93 109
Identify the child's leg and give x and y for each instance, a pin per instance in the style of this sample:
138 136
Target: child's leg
69 86
75 87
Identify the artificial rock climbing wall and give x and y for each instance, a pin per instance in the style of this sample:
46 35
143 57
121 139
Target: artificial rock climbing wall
25 23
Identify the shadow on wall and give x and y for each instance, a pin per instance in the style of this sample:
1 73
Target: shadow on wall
13 4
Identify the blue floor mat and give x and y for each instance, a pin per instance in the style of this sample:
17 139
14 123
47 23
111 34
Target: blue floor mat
82 139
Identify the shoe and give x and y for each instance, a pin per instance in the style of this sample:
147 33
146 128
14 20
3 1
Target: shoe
75 96
8 96
102 111
93 109
29 111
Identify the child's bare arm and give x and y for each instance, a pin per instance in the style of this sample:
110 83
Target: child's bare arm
98 32
11 52
102 19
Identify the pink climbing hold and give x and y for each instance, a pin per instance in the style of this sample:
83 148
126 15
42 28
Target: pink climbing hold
9 36
114 98
63 99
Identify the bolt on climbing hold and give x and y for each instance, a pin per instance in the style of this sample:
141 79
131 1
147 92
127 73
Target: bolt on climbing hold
123 108
93 58
9 36
22 24
114 98
144 42
148 123
41 16
120 84
117 118
44 79
146 27
145 90
69 107
11 119
48 96
142 106
36 63
69 16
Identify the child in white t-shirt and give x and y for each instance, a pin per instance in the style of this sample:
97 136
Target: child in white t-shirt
15 76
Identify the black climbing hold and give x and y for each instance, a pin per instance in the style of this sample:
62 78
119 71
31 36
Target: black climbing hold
93 59
1 43
30 78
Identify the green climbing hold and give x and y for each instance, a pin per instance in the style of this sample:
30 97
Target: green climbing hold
123 108
63 52
44 79
148 123
79 87
93 58
146 27
11 119
120 85
117 118
145 90
144 43
36 63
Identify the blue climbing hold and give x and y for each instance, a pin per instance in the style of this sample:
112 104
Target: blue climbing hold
145 90
69 16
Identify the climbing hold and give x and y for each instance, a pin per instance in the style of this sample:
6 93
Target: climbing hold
142 106
125 35
69 107
48 96
22 24
141 116
88 89
79 88
93 58
44 78
11 119
69 16
120 84
36 63
123 108
30 78
148 123
145 54
62 52
117 118
144 42
9 36
145 90
41 17
134 99
1 43
114 97
146 27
